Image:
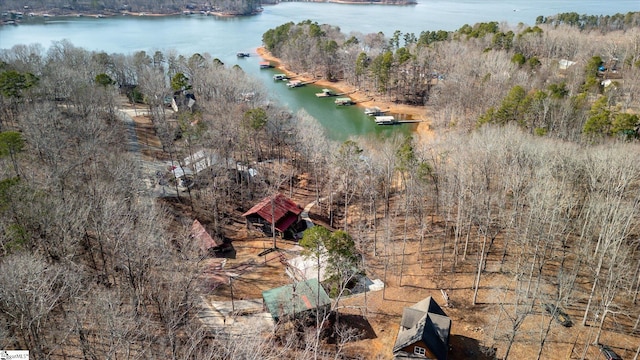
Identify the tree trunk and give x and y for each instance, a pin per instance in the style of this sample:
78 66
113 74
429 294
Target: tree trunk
593 289
477 282
545 333
604 315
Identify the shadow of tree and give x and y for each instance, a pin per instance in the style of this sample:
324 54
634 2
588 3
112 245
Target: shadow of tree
353 324
462 348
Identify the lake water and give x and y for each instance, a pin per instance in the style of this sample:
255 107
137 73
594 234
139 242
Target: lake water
224 37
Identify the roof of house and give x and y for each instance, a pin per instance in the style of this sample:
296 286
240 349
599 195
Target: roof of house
565 64
295 298
199 233
201 160
305 267
425 321
179 172
278 208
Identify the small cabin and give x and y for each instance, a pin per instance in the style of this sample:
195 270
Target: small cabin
276 212
209 246
424 332
296 300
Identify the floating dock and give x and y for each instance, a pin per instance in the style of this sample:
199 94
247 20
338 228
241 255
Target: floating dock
343 101
326 93
280 77
374 111
390 120
330 93
298 83
386 120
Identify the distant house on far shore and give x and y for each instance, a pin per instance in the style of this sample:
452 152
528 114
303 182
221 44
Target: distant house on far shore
424 332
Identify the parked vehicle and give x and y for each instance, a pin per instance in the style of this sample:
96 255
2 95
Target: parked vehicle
608 353
558 314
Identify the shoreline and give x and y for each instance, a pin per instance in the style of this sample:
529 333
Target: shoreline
362 98
58 12
369 2
109 14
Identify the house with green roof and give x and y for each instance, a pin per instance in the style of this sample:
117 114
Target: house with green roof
296 299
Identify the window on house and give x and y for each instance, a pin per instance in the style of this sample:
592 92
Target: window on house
419 350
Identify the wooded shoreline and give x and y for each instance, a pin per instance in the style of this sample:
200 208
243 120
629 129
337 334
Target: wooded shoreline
29 11
362 98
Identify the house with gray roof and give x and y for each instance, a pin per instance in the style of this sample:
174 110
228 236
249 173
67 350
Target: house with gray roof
424 332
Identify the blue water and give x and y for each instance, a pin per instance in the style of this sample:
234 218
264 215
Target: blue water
224 37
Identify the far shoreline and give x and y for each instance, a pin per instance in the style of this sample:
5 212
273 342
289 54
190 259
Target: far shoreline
362 98
42 14
26 13
351 2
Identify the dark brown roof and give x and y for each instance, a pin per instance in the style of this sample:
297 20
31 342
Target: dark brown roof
279 208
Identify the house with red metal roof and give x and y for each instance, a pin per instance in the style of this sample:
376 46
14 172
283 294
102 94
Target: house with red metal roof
276 211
